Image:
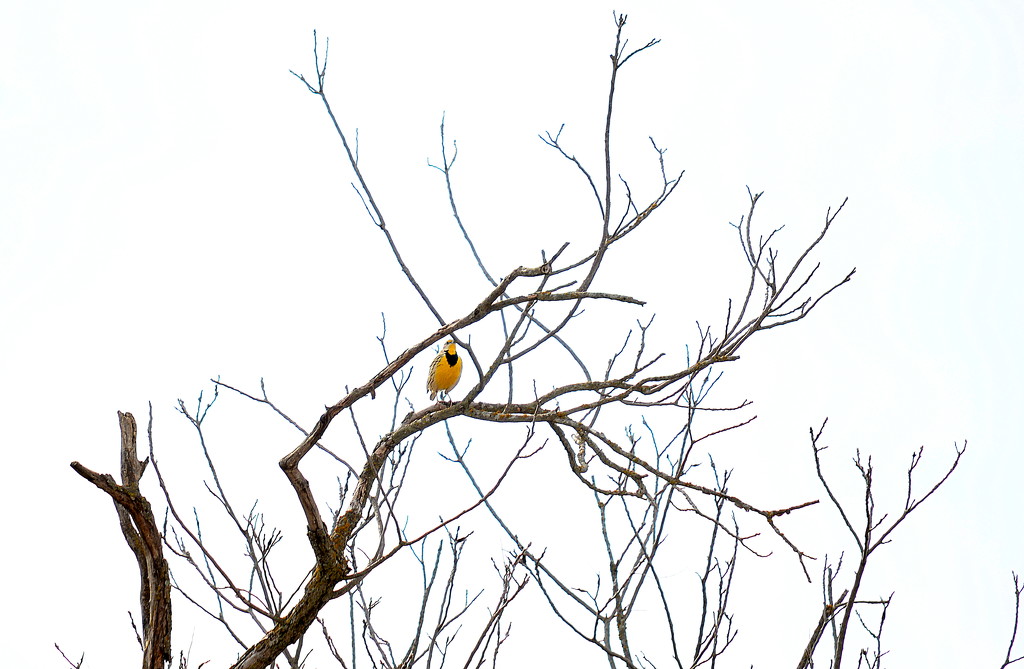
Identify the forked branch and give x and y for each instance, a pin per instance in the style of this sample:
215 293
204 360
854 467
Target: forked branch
140 530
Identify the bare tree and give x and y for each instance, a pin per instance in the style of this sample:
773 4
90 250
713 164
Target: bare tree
636 428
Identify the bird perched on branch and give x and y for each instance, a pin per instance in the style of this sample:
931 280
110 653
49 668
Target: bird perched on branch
445 371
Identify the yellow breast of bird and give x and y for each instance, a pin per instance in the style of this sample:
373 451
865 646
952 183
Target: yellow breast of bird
447 374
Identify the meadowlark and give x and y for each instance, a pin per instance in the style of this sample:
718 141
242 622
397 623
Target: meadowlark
445 371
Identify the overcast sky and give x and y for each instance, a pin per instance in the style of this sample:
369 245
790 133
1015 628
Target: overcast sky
175 206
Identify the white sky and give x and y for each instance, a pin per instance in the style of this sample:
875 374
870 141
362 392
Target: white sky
175 207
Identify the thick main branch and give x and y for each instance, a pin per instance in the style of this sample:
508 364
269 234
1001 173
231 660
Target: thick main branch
138 524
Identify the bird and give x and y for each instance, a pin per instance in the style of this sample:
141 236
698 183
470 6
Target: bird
445 371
